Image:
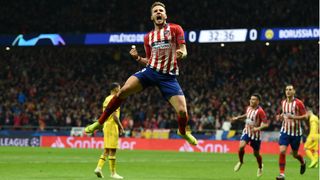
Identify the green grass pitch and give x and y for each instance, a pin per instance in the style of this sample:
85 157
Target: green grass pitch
19 163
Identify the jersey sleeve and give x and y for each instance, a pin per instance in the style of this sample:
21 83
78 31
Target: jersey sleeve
263 116
147 47
302 109
279 109
179 35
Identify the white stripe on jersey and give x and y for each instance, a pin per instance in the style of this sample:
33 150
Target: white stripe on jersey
167 54
172 60
154 53
160 51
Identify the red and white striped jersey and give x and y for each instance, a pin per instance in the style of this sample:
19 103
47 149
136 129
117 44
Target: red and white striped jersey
161 46
296 108
254 118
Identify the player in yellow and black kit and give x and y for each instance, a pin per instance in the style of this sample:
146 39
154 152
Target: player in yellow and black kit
111 130
312 144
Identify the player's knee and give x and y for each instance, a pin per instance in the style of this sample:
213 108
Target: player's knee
295 154
182 112
123 92
282 151
256 154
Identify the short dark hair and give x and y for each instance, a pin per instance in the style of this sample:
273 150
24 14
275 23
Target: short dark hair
157 3
114 85
257 95
289 85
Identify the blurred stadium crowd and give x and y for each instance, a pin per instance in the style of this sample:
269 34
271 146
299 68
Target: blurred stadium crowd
74 16
66 86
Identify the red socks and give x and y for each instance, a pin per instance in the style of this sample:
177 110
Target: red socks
114 103
259 160
241 154
282 162
182 123
300 158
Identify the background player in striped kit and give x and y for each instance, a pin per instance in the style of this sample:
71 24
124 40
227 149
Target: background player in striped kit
292 112
256 120
164 46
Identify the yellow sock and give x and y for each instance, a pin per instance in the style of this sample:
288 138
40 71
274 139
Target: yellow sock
101 161
309 154
112 164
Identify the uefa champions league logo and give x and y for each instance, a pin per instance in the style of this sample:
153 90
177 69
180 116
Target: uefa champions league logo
55 39
34 142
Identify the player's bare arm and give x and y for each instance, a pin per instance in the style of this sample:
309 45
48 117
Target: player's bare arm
182 51
241 117
302 117
261 127
280 117
134 54
117 120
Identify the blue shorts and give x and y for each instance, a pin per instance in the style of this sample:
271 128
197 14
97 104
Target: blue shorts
167 84
255 144
286 139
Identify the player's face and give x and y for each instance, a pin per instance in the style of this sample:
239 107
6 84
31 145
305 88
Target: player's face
254 101
290 91
158 15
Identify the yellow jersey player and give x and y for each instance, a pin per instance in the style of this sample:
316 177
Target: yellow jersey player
311 145
111 130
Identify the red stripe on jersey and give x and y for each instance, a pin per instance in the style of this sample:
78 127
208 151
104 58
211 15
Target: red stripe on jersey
158 52
175 66
150 39
169 61
171 55
165 55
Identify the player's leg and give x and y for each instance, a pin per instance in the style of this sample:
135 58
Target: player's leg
259 161
295 143
311 149
102 160
112 164
308 146
179 104
315 149
255 144
131 86
283 142
242 145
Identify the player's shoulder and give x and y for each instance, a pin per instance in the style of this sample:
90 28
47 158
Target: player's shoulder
146 36
174 26
298 101
314 118
261 110
108 98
